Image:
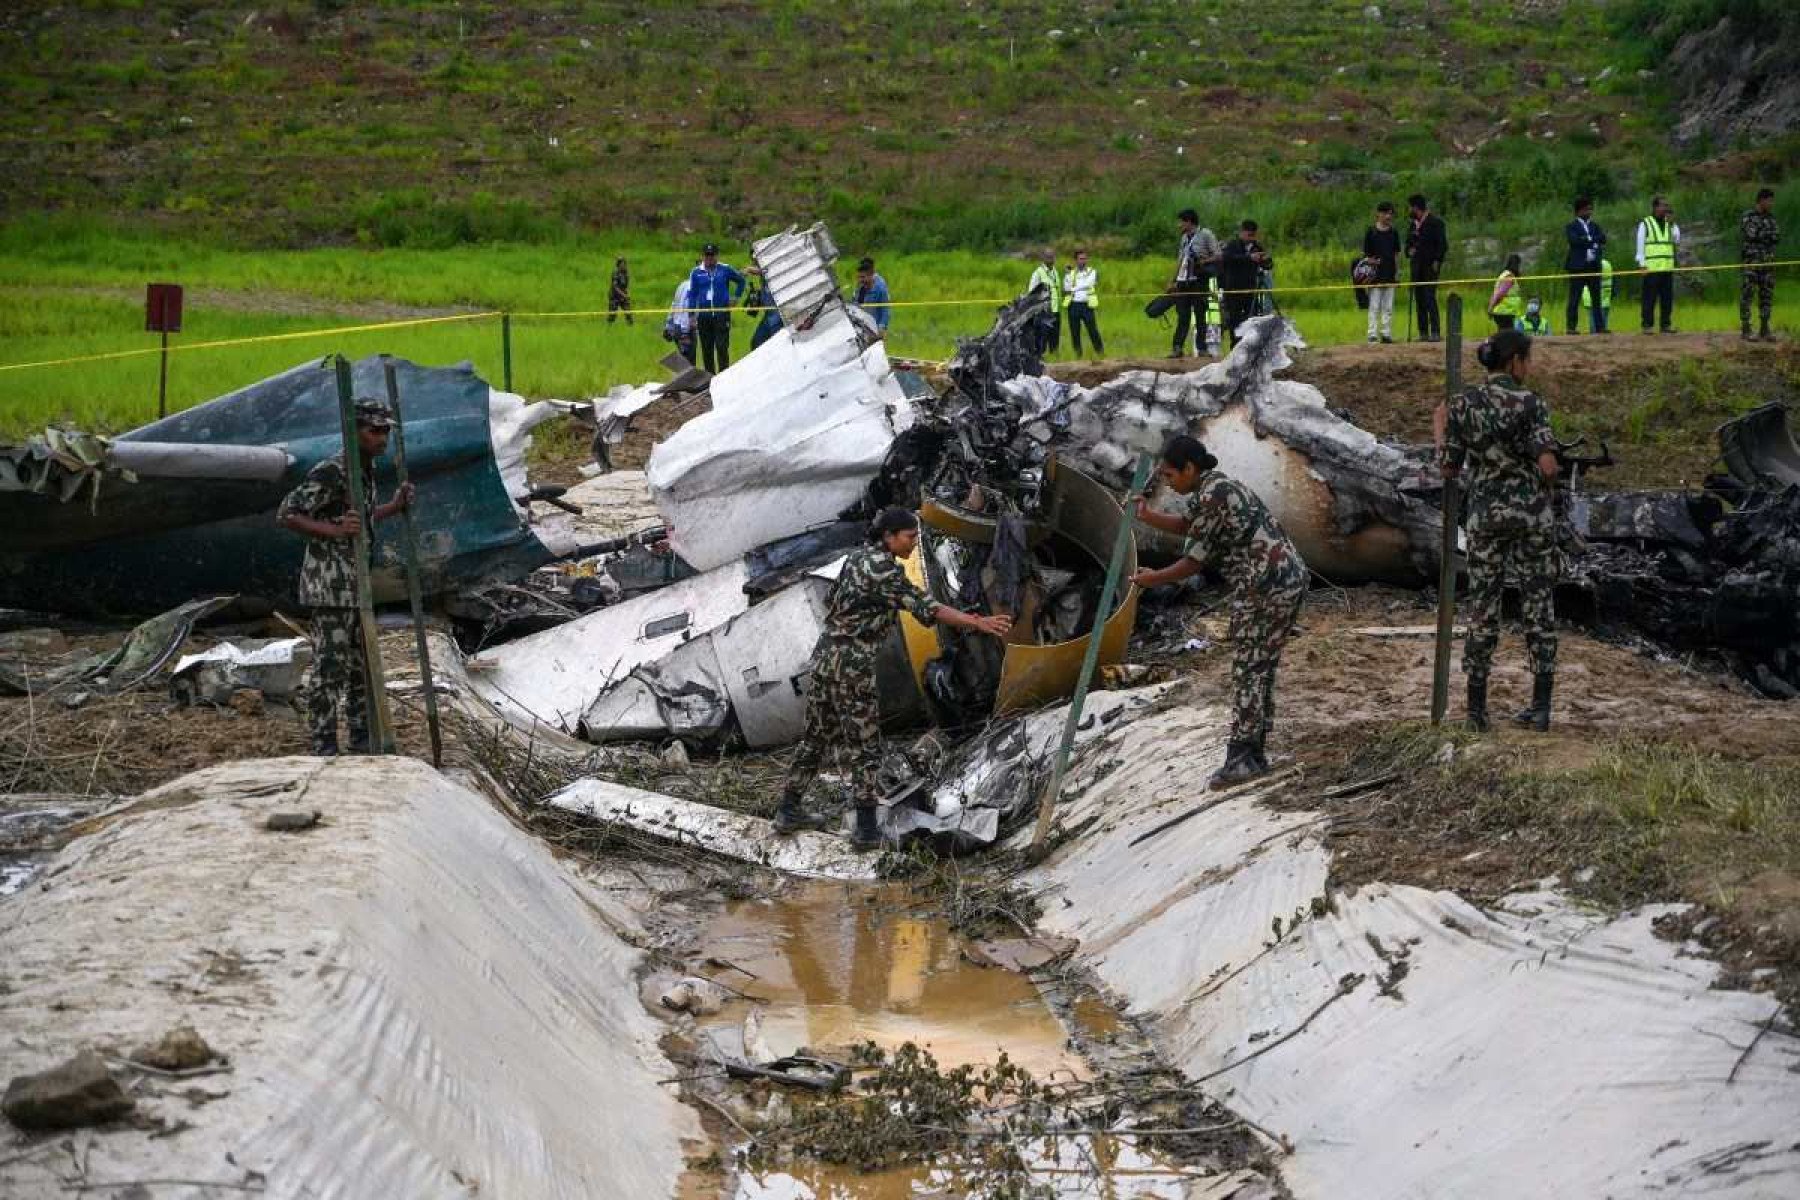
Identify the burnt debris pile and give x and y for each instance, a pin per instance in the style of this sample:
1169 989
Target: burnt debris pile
1691 573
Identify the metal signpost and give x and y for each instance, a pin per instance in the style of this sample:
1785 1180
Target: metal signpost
162 314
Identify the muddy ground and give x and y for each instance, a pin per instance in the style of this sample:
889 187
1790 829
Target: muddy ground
1404 802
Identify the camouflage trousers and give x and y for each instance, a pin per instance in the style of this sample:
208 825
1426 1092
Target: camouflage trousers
1534 560
1261 619
336 680
1760 282
843 720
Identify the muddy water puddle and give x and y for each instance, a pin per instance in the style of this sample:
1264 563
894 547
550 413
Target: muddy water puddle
840 964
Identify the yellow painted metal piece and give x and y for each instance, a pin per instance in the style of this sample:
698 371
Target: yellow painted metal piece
921 641
1033 675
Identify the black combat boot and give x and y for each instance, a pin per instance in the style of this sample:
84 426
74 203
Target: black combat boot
1767 334
1240 765
325 747
790 817
1259 760
359 741
1538 715
866 834
1478 714
1744 331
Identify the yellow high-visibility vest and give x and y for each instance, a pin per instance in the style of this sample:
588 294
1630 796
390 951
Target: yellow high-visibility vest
1659 245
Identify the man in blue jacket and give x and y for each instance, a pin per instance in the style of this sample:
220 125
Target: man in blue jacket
872 294
1587 243
713 286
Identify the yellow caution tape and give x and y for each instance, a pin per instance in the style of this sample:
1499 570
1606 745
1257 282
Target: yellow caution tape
249 341
962 303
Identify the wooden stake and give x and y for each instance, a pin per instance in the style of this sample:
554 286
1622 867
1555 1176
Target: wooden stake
409 544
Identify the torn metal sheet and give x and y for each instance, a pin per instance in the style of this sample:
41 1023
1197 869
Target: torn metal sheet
798 427
551 678
155 543
1342 495
1080 510
273 667
143 652
1672 517
1759 448
720 831
745 674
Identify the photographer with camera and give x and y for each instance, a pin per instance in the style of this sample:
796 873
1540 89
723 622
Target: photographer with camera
1241 261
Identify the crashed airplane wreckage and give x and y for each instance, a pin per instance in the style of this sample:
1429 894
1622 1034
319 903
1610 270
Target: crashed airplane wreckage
1017 480
185 506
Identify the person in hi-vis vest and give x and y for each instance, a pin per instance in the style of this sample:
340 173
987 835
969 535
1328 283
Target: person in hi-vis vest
1657 238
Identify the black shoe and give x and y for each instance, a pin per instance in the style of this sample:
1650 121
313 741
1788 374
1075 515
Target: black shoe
1176 354
324 749
1767 335
1538 715
1387 341
1745 333
866 833
790 817
1478 710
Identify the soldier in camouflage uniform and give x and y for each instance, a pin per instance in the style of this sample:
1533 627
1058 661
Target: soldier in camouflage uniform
1760 239
1231 530
321 511
1498 435
842 708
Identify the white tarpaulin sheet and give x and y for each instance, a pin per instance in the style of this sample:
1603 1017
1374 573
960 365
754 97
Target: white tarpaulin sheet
1536 1050
797 429
415 998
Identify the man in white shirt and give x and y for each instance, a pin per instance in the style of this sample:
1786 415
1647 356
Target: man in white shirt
1081 286
1196 260
1658 238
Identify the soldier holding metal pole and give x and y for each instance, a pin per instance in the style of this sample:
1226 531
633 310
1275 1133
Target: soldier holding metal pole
323 511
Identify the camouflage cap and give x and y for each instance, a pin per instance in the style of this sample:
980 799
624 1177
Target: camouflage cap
375 414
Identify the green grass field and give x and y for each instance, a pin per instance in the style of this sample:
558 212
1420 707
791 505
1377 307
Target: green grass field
74 295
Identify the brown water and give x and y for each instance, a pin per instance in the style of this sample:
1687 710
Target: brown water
840 964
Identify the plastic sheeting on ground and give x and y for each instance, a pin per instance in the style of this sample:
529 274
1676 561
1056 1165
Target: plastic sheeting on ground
415 998
1535 1050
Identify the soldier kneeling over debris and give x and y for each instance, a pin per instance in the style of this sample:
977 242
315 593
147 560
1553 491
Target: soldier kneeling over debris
1229 528
321 510
842 709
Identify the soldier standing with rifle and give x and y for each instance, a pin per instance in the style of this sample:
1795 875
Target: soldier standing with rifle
1498 434
321 510
843 709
